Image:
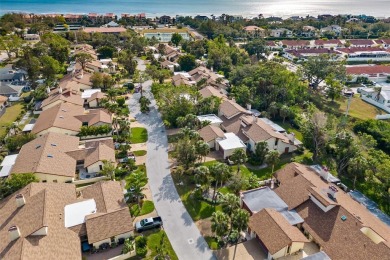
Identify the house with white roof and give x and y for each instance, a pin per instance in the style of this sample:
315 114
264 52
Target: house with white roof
378 96
229 143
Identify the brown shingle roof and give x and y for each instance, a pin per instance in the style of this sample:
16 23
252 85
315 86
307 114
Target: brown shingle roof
103 226
60 116
340 239
47 154
229 108
76 82
44 207
96 95
274 230
65 97
210 91
108 195
210 133
94 116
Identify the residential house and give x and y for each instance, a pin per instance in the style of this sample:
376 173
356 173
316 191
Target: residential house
10 75
230 112
172 66
211 119
46 157
228 144
165 19
73 18
210 91
211 78
361 43
282 32
256 131
210 134
9 90
308 31
379 97
276 236
182 79
332 43
303 54
51 220
341 226
255 31
335 29
201 18
94 100
3 104
295 44
55 157
377 73
66 118
164 35
76 80
59 96
365 53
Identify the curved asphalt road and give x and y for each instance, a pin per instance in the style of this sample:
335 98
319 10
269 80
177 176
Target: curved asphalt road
182 232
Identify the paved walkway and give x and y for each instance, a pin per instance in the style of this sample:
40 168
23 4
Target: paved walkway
249 250
182 232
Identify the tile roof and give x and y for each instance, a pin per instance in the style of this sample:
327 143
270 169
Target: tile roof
94 116
5 89
360 49
44 208
43 153
331 41
295 42
361 42
104 29
60 116
274 230
340 239
368 69
210 133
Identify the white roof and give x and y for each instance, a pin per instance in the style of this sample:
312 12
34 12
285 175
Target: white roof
211 117
89 92
9 160
28 127
231 142
75 213
6 165
275 126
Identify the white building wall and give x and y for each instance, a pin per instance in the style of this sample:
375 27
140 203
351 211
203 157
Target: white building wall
52 178
95 167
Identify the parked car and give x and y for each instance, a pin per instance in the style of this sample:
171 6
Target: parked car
148 223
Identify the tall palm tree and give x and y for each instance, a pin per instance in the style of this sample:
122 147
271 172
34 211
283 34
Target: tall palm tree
272 158
202 149
135 183
240 221
202 176
220 224
238 157
108 169
220 172
230 203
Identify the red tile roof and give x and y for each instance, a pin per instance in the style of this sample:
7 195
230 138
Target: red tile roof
368 69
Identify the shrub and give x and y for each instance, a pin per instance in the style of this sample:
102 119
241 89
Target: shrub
140 246
141 252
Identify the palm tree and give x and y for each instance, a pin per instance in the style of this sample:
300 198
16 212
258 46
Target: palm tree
238 157
202 149
240 221
358 166
273 109
220 224
272 158
220 172
135 183
230 203
108 169
144 104
202 176
284 112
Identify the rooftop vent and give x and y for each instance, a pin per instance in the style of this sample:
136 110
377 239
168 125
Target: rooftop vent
13 233
50 156
343 218
38 146
20 201
62 117
53 145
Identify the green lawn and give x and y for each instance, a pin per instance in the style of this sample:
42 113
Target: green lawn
10 116
147 207
140 153
138 135
290 129
154 240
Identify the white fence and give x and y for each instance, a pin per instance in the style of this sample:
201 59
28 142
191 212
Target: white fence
382 117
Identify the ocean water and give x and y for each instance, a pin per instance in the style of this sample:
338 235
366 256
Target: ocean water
247 8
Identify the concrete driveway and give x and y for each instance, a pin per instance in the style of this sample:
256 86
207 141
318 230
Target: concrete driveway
245 251
182 232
